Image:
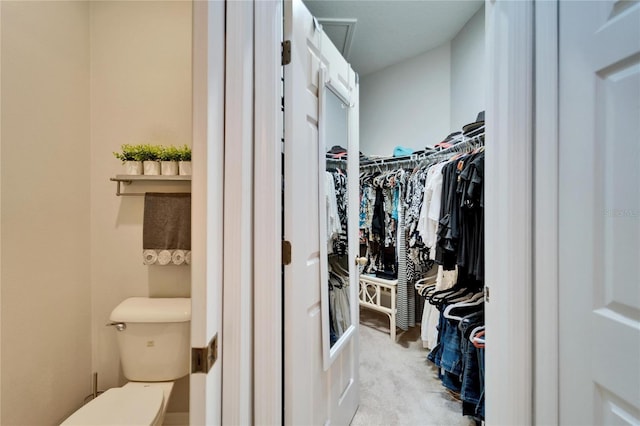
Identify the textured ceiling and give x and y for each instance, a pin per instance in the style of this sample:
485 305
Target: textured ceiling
390 31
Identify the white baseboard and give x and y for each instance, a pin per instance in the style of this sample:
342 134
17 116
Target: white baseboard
176 419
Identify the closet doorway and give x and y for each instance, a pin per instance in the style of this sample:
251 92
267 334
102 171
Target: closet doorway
421 69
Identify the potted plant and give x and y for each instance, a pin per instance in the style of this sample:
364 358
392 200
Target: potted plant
185 160
131 158
169 157
150 155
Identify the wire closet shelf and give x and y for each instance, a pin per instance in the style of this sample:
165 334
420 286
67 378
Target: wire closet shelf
461 144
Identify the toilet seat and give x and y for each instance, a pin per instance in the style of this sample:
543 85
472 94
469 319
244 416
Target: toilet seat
129 405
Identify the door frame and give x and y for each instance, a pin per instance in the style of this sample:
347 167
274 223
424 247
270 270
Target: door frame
514 216
224 209
268 178
546 402
522 45
205 401
239 213
516 34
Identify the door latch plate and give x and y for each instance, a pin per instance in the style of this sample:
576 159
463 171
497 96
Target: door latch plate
202 359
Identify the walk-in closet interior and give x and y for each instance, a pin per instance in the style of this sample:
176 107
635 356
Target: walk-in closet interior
421 69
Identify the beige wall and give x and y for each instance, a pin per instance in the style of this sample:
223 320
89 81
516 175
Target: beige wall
140 92
46 314
78 80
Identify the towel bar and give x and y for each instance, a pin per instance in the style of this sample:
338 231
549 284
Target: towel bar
128 179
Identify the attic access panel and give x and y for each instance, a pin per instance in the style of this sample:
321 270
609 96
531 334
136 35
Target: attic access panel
340 31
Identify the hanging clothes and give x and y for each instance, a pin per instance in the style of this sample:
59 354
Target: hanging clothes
340 242
387 247
405 303
333 217
337 244
419 216
427 225
459 253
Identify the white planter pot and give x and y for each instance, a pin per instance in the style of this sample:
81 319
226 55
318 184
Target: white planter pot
133 167
151 167
169 168
185 168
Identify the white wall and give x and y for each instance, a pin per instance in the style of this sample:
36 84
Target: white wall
0 217
468 72
140 92
406 104
46 314
418 102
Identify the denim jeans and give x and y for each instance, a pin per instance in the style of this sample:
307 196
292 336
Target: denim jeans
471 386
480 406
451 355
443 354
435 356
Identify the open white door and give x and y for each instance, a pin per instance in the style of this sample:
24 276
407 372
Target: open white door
599 218
207 197
320 379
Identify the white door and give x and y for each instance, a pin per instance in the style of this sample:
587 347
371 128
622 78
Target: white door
207 195
313 395
599 220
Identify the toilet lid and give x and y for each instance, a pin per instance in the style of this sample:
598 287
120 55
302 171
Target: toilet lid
121 406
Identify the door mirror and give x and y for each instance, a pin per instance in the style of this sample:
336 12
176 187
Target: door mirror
337 267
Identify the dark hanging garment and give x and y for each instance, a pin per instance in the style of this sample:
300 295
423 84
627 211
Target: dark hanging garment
377 224
467 216
445 248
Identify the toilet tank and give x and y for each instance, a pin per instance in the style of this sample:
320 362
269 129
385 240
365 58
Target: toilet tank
155 346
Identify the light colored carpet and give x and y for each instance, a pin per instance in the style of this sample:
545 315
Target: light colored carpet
398 386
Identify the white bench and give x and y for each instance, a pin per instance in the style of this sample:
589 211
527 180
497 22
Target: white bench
370 296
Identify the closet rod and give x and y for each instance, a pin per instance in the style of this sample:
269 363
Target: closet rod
390 164
467 144
337 162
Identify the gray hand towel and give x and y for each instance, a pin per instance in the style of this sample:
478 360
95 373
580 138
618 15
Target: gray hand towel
166 229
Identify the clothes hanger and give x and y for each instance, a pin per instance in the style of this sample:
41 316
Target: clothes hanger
427 291
426 281
452 292
377 181
390 179
464 298
333 263
448 314
477 337
428 278
475 331
440 296
425 288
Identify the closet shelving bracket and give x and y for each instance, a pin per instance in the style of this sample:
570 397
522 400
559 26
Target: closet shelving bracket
129 179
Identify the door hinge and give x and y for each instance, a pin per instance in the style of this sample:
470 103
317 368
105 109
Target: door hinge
286 52
286 252
486 294
202 359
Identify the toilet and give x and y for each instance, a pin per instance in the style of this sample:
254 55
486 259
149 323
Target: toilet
154 341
